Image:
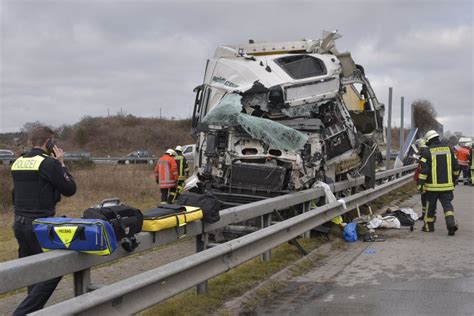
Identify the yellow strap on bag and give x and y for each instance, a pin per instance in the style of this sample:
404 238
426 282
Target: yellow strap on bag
172 220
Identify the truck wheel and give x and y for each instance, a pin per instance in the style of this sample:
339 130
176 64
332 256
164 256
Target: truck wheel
150 161
127 162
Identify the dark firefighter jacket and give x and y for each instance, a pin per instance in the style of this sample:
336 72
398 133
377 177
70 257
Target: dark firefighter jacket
439 168
38 182
183 168
471 159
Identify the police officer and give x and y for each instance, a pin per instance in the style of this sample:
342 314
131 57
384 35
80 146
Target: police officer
438 175
183 169
39 180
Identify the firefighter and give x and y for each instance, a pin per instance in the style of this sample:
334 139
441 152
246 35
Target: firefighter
39 180
437 178
166 174
463 160
183 169
421 145
471 163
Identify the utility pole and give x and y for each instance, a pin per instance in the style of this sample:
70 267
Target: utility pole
388 150
402 131
160 113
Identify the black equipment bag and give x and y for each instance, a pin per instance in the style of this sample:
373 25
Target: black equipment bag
126 220
207 202
404 218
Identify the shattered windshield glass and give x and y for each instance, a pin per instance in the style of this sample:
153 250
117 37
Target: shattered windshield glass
301 111
228 112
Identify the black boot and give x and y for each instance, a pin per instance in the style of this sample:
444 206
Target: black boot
428 227
452 230
452 225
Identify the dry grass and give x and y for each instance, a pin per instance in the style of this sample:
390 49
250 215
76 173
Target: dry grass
133 184
234 283
118 135
6 186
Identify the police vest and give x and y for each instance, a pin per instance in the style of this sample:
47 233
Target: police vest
27 183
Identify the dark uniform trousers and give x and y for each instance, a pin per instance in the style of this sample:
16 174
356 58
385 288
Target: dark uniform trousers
424 203
168 195
445 198
38 294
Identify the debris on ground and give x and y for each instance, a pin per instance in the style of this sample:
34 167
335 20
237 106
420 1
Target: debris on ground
366 225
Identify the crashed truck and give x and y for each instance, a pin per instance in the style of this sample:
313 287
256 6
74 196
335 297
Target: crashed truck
271 118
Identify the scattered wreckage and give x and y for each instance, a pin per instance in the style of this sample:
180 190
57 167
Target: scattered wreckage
271 118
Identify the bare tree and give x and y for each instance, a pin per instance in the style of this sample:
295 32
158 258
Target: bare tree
424 116
452 139
26 130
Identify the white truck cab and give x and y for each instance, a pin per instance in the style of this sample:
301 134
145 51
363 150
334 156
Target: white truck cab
271 118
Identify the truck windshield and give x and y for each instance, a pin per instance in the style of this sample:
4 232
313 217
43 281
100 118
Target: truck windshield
228 112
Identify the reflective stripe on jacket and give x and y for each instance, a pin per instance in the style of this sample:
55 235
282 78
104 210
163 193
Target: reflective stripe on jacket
439 168
182 167
166 170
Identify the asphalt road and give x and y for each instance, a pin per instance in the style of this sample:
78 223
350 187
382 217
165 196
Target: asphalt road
411 273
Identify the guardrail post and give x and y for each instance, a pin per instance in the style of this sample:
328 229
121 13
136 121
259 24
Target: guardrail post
265 221
201 245
82 280
306 208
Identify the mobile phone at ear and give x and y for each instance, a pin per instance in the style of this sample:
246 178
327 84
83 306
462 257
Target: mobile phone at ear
50 147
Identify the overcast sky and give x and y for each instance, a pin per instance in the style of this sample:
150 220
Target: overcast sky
62 60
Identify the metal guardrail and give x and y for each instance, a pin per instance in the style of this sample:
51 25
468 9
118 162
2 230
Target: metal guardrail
101 160
132 160
23 272
147 289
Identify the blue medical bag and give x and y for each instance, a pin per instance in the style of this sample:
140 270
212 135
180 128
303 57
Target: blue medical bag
92 236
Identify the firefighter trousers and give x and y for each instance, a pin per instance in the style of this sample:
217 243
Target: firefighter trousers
445 198
168 195
424 202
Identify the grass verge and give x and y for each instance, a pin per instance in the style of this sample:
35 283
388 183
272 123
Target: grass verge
134 185
236 282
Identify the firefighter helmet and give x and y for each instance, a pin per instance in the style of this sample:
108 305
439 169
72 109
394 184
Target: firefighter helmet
179 148
430 135
170 152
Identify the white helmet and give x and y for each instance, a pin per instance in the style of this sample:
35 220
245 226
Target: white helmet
179 148
170 152
468 145
430 135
